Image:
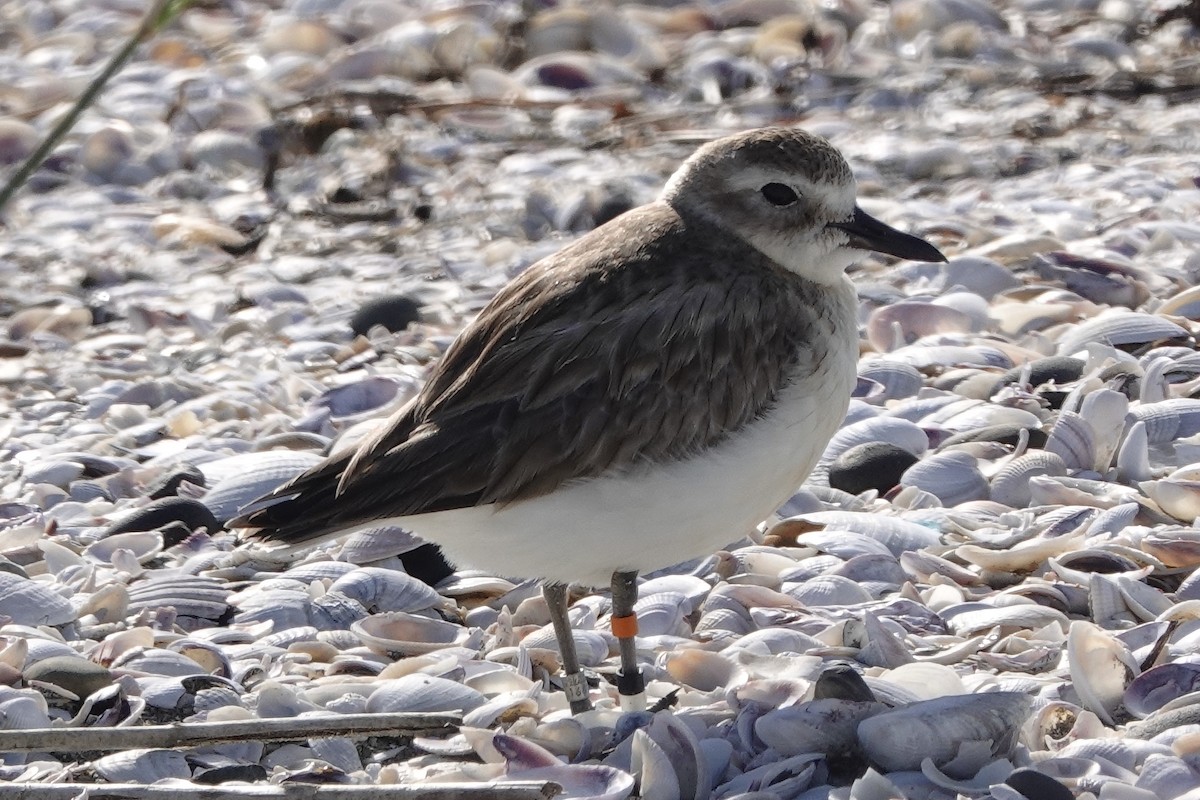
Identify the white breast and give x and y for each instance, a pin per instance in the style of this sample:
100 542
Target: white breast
665 513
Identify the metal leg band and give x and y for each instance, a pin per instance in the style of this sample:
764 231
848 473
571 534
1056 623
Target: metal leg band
575 686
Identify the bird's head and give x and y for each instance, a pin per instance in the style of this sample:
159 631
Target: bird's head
790 195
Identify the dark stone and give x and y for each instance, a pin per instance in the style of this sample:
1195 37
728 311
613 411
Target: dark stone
102 315
1037 785
174 533
842 682
160 513
1060 369
95 467
977 386
76 674
874 465
167 485
246 773
394 312
1054 398
612 207
10 567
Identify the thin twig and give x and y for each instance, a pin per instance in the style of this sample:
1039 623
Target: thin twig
158 15
180 734
516 790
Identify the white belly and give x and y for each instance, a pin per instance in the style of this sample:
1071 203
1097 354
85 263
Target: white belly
662 514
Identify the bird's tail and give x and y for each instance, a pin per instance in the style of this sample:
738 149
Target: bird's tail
301 512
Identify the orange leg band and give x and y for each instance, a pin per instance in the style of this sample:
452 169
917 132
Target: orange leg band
625 627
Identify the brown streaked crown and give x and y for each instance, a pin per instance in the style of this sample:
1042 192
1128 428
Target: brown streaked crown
786 150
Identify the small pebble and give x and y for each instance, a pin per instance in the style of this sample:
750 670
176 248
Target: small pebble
73 673
392 312
875 465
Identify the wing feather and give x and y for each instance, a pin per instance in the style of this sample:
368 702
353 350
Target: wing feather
577 368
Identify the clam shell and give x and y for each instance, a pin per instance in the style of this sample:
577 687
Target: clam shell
662 613
1164 775
1185 303
1119 328
143 545
969 415
1072 439
1172 419
20 709
235 481
376 544
142 766
1021 558
935 729
591 646
704 671
652 767
189 595
953 477
1179 498
359 397
311 572
779 778
1157 687
829 590
1105 411
1101 668
895 534
971 618
668 755
897 379
1010 485
156 661
692 588
1174 547
386 590
396 633
29 603
821 726
893 326
423 693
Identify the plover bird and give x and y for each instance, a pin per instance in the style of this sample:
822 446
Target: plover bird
645 396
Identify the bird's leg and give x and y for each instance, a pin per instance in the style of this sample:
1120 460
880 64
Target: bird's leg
574 684
631 687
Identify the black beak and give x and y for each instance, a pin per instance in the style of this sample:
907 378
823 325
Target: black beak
868 233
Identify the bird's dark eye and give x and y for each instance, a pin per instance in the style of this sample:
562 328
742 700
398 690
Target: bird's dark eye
778 194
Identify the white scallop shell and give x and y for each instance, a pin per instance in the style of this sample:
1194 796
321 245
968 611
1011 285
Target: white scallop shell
386 590
401 633
30 603
419 692
1117 328
235 481
142 766
935 729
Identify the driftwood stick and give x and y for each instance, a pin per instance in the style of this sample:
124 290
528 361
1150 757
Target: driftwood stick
160 13
180 734
517 790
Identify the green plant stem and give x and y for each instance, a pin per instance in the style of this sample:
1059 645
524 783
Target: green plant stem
158 15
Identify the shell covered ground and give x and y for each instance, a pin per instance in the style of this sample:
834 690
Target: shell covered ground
274 220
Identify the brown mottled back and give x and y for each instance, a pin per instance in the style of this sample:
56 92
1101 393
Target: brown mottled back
628 347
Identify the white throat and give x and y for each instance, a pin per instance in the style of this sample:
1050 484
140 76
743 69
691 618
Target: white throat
822 258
